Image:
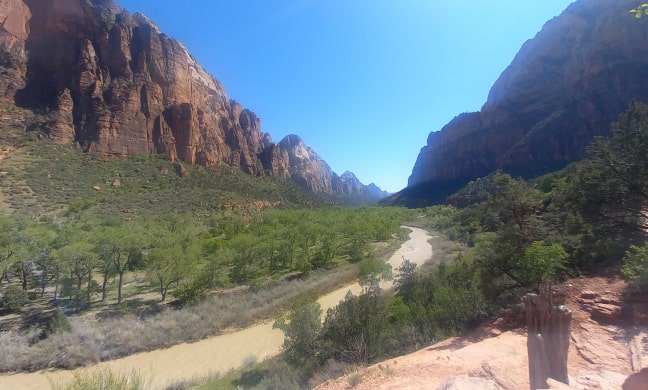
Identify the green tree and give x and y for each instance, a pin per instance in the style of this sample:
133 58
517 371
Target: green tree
34 242
356 330
357 241
301 326
541 262
80 261
121 245
244 250
165 266
105 263
511 220
405 280
604 197
329 246
372 272
457 298
620 168
7 246
290 245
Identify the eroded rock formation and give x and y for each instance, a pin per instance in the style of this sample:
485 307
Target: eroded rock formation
565 86
115 84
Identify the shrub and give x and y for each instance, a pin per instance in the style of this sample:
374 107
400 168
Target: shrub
355 379
103 379
280 376
635 267
13 298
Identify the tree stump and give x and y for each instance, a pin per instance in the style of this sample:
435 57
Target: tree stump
547 339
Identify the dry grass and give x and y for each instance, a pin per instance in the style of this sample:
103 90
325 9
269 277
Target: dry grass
354 379
108 338
104 379
445 251
193 382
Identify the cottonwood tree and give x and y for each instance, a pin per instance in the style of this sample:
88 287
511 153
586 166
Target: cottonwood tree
175 251
165 266
372 272
290 244
34 242
80 261
244 248
330 245
7 246
104 264
121 245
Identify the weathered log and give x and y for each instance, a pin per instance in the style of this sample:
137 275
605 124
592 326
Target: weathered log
547 339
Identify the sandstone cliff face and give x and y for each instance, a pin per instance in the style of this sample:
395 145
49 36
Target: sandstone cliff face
113 83
351 185
564 87
292 158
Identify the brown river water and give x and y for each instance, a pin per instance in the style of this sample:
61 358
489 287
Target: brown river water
217 354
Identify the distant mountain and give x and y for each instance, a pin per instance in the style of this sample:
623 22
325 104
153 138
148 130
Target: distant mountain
113 83
564 87
349 185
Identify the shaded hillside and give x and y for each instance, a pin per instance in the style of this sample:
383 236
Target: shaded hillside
113 83
564 87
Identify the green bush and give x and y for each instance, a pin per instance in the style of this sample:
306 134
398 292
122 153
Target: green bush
13 298
190 292
635 267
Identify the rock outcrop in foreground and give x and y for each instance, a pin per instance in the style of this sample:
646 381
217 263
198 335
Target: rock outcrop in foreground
564 87
608 348
113 83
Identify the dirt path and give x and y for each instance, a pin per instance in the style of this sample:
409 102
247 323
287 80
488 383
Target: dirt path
216 354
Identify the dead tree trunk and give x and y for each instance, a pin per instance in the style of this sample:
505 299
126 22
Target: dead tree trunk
547 339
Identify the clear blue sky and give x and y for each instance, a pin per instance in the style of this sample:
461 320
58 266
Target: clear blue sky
363 82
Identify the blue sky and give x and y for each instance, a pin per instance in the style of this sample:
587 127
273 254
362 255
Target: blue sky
363 82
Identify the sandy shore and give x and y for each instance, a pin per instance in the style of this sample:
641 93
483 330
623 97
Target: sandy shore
216 354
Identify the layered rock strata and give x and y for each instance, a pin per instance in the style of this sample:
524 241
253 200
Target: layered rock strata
113 83
564 87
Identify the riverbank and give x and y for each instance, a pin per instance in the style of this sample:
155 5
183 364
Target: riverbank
217 354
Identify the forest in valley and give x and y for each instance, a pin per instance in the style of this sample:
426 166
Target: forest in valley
518 235
140 261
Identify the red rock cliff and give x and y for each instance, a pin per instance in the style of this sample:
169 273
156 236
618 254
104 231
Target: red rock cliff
564 87
113 83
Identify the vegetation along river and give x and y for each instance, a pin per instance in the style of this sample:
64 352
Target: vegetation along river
217 354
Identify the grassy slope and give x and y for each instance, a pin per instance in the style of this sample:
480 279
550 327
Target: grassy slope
42 177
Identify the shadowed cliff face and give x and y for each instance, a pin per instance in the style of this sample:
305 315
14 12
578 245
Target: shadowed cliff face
114 84
564 87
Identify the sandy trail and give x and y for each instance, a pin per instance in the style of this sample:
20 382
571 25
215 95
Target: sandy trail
217 354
